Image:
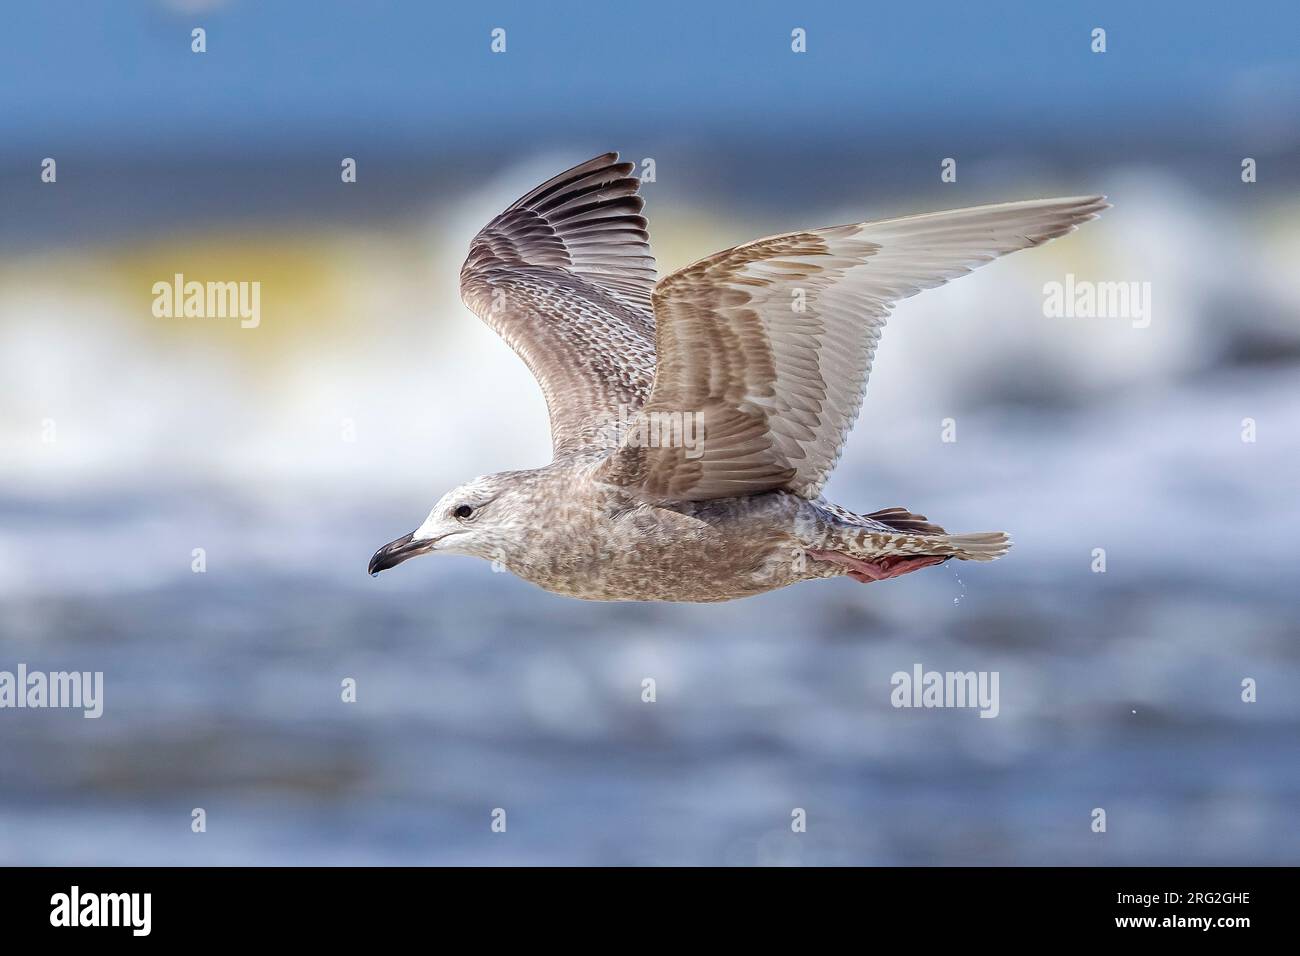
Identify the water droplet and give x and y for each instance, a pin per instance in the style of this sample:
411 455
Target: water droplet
957 600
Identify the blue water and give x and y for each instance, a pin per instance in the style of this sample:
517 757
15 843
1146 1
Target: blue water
477 691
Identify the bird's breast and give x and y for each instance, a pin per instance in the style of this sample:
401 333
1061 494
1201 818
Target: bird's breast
650 553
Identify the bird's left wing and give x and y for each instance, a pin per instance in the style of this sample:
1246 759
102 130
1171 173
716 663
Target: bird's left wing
765 349
564 275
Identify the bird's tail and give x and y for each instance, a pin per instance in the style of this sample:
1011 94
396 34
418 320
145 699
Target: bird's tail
911 535
975 546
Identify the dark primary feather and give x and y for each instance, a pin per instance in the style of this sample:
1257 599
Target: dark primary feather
564 275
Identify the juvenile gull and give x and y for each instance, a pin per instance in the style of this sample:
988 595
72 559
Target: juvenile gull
695 420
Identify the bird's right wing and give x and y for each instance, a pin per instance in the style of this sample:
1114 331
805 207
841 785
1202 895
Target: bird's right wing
768 346
564 275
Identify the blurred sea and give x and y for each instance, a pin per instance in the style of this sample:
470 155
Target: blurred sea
476 690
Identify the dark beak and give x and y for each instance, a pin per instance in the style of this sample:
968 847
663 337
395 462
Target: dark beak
395 552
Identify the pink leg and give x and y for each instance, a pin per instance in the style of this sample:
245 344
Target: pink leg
882 570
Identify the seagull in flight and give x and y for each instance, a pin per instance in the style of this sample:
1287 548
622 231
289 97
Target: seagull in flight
695 419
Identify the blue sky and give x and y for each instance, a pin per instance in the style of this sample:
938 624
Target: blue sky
121 75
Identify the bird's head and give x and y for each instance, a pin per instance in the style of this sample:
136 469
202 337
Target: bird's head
483 517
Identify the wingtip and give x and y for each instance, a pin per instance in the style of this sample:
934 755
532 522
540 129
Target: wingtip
1096 208
1083 209
609 161
1096 203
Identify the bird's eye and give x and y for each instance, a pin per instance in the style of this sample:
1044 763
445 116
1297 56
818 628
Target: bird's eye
464 511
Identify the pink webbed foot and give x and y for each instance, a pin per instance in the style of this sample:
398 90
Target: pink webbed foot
882 570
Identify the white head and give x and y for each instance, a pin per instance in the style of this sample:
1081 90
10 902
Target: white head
485 517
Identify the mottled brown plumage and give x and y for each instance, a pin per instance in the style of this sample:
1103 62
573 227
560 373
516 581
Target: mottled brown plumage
752 363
